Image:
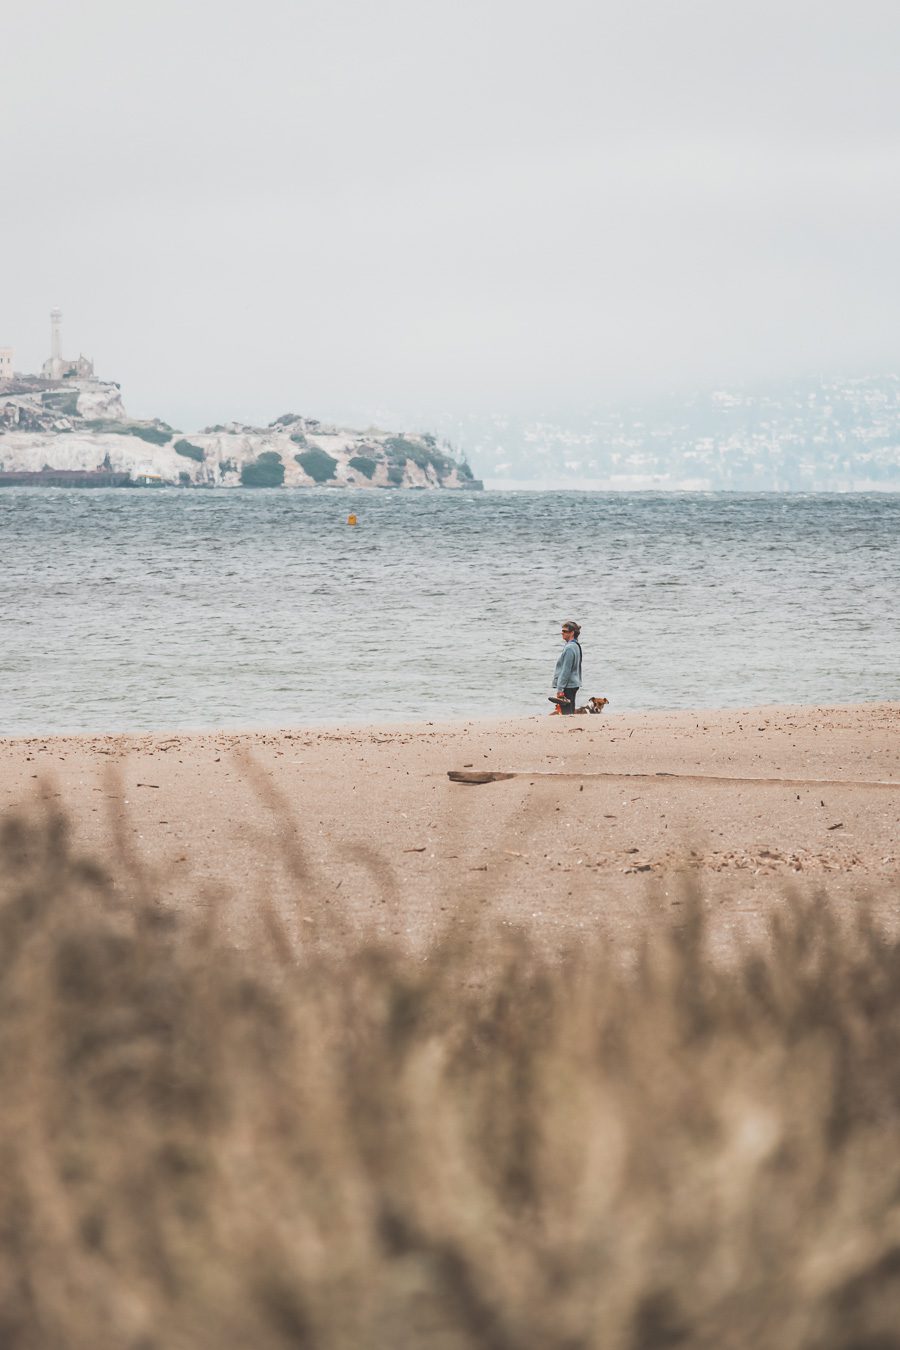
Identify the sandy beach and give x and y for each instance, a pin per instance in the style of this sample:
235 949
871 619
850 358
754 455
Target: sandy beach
337 1051
600 815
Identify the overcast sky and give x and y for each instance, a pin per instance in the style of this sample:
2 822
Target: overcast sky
431 206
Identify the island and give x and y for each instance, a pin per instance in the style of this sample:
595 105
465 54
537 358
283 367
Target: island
66 427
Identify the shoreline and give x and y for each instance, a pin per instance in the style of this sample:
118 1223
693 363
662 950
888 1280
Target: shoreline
599 814
449 725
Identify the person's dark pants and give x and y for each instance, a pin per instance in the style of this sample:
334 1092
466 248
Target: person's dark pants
568 707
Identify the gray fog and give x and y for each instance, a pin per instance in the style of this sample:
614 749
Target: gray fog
435 206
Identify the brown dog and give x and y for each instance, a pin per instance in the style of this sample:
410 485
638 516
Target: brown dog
593 705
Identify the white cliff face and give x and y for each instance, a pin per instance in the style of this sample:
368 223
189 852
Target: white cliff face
86 428
98 401
43 405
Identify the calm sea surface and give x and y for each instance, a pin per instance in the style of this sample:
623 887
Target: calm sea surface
164 609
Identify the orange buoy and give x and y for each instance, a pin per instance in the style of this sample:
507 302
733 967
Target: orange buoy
351 520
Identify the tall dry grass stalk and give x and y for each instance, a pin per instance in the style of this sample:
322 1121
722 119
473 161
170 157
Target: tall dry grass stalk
492 1147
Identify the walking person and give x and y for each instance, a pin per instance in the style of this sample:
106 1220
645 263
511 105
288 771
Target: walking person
567 676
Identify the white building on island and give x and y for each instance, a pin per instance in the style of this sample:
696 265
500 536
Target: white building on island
56 367
6 363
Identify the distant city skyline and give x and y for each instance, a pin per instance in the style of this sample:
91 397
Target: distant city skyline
450 208
826 435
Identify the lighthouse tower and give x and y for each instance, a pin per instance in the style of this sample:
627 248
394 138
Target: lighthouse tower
57 367
56 335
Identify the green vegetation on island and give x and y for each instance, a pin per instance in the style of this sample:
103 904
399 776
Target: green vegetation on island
190 451
317 463
265 471
155 433
364 465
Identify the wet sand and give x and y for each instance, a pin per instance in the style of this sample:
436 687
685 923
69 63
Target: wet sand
602 816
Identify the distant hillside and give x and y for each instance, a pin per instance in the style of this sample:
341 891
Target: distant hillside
817 435
81 427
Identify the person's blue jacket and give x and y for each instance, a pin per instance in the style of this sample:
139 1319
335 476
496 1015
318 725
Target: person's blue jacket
568 668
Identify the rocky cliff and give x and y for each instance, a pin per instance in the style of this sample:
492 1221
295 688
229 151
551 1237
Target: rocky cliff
83 426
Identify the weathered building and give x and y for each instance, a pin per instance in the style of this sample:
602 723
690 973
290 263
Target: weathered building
58 367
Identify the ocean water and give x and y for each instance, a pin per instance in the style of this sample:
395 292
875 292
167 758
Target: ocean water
168 609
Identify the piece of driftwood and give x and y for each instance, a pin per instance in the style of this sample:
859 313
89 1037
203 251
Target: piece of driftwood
475 776
491 776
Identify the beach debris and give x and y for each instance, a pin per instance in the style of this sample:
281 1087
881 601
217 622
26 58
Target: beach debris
838 825
476 776
153 785
420 848
618 776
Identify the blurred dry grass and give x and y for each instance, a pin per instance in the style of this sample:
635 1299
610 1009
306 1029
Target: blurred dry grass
492 1147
